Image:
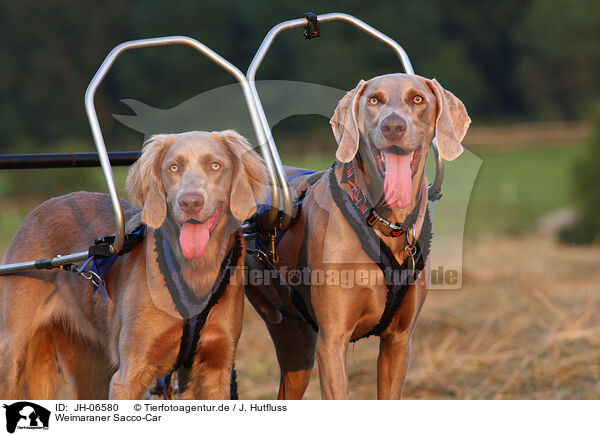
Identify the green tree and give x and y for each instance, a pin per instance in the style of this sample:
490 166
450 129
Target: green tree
586 228
559 44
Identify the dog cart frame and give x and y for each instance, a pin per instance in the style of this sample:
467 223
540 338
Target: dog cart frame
279 212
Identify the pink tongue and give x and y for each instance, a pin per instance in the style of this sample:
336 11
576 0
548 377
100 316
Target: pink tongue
398 180
193 239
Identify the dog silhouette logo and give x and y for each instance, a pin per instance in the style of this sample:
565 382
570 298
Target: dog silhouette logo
26 415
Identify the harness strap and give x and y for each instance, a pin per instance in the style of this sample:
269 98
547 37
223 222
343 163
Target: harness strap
193 309
363 219
268 241
399 277
101 259
277 286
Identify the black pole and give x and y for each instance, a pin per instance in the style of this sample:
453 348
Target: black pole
64 160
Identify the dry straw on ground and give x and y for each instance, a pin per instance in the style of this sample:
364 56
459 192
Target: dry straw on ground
526 325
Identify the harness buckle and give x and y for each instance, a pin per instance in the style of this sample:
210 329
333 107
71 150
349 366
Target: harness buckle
411 248
371 218
389 229
272 249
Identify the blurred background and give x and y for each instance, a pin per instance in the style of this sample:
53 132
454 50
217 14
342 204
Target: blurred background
526 323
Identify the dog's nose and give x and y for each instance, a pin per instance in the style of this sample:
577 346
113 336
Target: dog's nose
191 203
393 127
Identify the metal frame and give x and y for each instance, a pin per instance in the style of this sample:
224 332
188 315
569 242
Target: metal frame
281 197
434 189
64 160
97 133
103 155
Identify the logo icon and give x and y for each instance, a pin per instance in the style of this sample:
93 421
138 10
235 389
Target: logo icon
26 415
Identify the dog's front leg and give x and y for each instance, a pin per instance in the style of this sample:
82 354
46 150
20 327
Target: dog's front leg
125 387
144 358
392 366
134 377
395 342
337 320
331 355
211 372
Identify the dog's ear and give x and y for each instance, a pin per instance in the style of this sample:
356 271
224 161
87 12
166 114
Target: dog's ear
451 122
343 123
249 181
144 181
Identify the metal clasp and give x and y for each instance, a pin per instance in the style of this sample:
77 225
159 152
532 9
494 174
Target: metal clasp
311 29
411 248
272 248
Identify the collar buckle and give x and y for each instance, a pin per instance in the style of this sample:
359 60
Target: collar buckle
387 228
360 200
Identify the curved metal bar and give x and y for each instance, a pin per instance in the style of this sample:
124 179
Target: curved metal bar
434 190
99 139
259 57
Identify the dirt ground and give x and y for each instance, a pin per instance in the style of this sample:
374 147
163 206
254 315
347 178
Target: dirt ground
525 325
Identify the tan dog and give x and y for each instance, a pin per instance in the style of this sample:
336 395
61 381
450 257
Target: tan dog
197 187
394 118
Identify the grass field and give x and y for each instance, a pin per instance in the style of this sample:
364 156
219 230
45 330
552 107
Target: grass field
516 187
524 325
513 188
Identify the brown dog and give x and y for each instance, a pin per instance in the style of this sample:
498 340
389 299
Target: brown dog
196 187
394 118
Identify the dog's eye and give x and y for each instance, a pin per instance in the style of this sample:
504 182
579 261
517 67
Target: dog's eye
417 99
373 100
173 168
216 166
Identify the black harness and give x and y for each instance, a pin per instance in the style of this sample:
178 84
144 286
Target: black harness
193 309
363 218
399 277
101 259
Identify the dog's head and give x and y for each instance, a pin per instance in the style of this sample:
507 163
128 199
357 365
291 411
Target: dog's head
198 181
397 116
